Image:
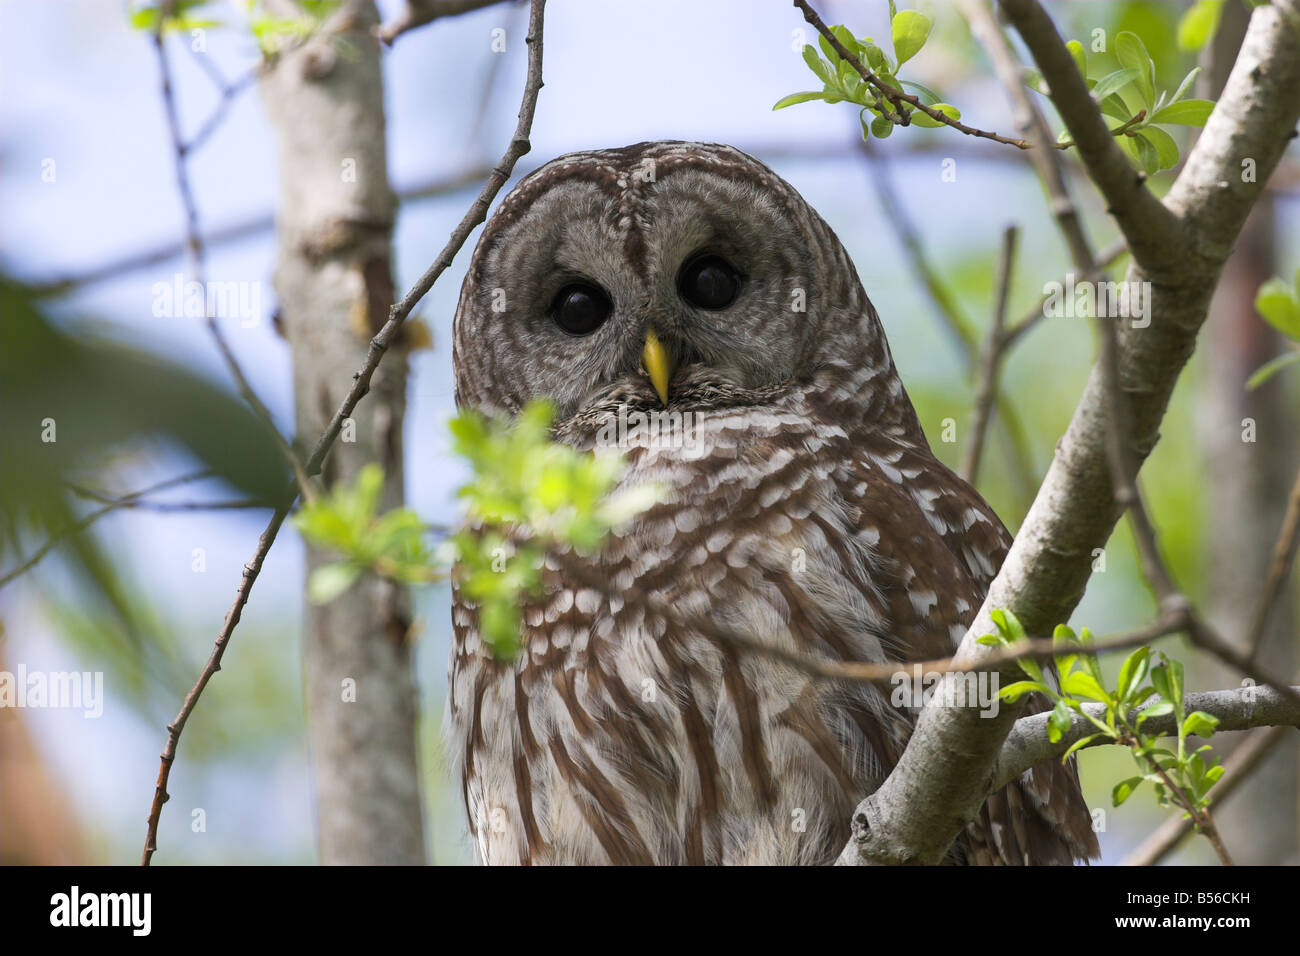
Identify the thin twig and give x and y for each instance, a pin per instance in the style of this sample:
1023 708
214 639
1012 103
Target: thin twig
896 96
194 247
990 360
175 728
139 504
229 92
126 501
519 145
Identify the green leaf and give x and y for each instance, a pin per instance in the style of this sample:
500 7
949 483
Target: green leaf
824 71
1184 86
1059 722
1166 148
795 98
1132 53
927 95
848 40
1080 56
1158 709
1081 684
1276 302
330 580
1079 745
1114 82
1176 685
1034 80
1198 24
881 127
1008 624
1124 789
1185 113
1013 692
1200 724
989 640
1147 154
877 60
928 122
1132 671
1271 368
910 31
828 50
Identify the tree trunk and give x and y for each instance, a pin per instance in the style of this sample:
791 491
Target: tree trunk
334 285
1247 492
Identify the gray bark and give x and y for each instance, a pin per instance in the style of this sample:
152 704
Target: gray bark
334 285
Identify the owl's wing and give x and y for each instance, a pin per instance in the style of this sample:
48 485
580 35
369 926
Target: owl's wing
938 546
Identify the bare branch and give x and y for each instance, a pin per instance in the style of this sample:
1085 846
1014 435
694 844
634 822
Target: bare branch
990 359
140 504
194 247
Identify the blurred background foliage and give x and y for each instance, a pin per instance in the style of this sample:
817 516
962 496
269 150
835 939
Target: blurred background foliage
139 400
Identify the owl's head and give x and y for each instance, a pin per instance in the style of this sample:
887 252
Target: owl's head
680 274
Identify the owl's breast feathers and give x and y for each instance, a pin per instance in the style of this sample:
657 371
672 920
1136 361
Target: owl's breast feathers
621 734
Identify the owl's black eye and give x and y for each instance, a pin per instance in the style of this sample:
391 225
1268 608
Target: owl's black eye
709 282
580 308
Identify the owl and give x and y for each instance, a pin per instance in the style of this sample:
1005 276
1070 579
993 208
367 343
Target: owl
683 307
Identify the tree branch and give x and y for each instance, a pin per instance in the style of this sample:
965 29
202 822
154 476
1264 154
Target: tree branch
1028 745
943 776
986 391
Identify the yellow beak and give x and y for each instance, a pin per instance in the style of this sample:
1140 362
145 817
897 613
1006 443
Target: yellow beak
658 364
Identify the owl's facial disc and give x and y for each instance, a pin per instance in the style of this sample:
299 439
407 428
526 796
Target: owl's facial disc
674 275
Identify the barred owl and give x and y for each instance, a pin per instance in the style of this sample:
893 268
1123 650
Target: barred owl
686 300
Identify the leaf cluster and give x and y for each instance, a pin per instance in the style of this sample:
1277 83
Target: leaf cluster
1181 777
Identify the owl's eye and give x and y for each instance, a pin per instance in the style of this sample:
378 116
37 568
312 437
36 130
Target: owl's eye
580 308
709 282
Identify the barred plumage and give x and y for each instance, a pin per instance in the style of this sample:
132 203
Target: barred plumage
803 507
